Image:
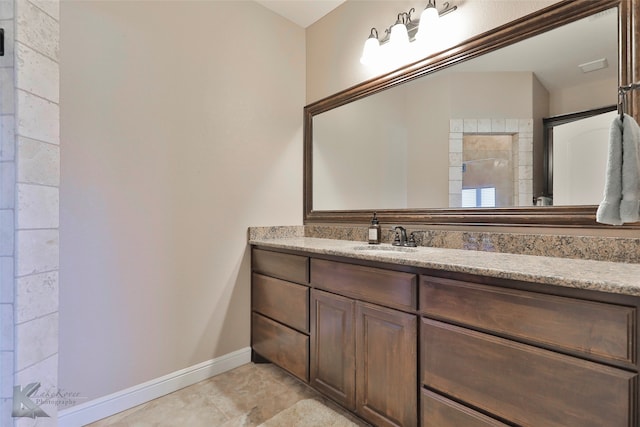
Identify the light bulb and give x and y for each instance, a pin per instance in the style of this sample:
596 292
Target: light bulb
428 21
370 51
398 43
399 35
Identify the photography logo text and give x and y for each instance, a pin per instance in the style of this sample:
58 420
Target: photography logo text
23 406
27 401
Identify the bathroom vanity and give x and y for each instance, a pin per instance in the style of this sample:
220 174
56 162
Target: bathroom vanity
443 337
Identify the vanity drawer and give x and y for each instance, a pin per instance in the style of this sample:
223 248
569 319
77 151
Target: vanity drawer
438 411
283 301
389 288
606 331
294 268
523 384
281 345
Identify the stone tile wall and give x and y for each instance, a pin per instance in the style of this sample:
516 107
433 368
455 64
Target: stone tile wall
29 200
7 212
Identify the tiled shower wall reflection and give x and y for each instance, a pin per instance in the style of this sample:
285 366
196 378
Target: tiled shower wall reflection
29 201
521 131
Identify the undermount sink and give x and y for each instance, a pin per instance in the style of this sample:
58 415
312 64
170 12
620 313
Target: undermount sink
384 248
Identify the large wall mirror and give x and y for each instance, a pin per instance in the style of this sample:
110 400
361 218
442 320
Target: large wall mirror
459 138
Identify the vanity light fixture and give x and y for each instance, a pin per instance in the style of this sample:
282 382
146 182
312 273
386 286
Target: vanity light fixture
404 31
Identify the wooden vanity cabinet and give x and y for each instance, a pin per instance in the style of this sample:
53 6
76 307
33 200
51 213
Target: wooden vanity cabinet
280 310
364 355
528 358
348 335
406 348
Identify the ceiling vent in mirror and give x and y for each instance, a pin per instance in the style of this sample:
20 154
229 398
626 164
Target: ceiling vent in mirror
598 64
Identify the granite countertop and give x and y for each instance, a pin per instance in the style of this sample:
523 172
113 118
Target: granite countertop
614 277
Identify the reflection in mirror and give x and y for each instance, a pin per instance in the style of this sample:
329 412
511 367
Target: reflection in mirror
487 172
577 156
423 144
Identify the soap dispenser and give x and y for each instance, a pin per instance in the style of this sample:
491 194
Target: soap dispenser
374 231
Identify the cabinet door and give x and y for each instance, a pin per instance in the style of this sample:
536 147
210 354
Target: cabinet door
386 366
333 347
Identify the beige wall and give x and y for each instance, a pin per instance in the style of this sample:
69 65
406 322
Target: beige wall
180 128
496 94
583 97
428 156
369 171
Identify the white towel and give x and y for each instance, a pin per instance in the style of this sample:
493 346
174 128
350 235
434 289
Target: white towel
621 202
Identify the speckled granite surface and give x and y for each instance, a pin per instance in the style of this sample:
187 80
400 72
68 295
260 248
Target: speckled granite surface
276 232
605 276
615 249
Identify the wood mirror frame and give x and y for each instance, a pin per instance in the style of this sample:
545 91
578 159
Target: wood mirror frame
546 19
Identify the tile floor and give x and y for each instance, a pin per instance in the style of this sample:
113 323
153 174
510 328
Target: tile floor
249 395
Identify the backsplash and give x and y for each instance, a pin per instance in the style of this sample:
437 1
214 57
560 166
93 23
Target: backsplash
615 249
276 232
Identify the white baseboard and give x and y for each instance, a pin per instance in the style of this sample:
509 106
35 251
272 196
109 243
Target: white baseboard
103 407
